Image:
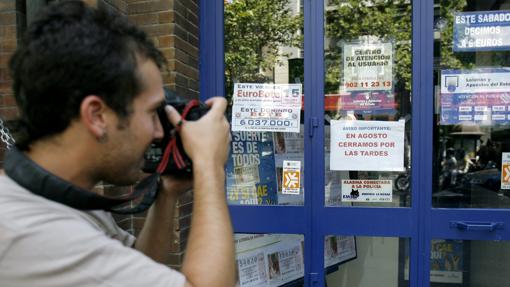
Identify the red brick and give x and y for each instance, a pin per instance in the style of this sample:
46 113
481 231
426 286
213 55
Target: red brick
144 19
166 41
166 17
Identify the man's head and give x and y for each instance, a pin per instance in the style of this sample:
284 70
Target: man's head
72 51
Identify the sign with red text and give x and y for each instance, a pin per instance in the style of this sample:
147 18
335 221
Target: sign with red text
367 145
368 66
266 107
361 190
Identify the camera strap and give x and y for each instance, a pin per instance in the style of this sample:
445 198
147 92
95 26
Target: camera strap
39 181
172 148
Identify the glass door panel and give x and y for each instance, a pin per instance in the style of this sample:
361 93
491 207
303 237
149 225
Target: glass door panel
472 110
367 99
366 261
263 83
469 263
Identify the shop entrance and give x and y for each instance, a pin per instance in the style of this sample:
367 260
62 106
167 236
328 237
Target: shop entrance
369 145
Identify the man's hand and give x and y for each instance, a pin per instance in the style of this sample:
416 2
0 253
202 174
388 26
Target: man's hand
205 140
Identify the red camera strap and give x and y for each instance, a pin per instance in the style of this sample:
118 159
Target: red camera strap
172 148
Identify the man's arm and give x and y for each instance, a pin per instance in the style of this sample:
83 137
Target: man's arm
156 236
209 259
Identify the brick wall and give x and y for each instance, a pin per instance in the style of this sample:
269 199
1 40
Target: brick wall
11 24
173 25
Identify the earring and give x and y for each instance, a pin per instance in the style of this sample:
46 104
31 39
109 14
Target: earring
103 138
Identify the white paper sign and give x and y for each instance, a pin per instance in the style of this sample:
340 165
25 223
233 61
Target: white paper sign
291 177
368 67
361 190
367 145
266 107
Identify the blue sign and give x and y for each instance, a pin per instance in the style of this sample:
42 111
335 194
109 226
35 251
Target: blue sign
251 170
477 96
481 31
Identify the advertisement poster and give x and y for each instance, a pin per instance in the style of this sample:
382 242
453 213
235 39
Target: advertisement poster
266 107
367 145
481 31
250 170
505 170
368 66
338 249
361 190
268 260
289 147
363 102
291 178
480 96
446 261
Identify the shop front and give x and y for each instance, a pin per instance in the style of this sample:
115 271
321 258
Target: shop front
370 139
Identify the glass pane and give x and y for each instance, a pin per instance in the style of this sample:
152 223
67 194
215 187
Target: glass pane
367 96
469 263
366 261
472 106
263 82
269 259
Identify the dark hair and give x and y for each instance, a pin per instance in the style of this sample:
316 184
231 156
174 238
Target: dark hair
71 51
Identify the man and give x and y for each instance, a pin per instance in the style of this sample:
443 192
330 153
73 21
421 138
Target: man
88 87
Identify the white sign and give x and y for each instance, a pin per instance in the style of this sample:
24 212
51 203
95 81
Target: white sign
266 107
505 170
368 67
291 177
356 190
367 145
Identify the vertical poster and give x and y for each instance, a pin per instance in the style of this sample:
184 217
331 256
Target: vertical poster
477 96
367 77
446 261
250 170
505 170
266 107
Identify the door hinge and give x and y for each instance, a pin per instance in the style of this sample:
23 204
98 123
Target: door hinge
312 125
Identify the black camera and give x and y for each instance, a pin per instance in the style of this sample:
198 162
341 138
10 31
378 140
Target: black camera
167 156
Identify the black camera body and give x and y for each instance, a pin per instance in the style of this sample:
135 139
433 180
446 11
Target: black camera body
178 161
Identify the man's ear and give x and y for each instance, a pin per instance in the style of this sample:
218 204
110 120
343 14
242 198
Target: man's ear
93 113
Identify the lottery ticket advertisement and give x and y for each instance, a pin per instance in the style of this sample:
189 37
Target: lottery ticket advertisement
266 107
481 31
505 170
251 171
480 96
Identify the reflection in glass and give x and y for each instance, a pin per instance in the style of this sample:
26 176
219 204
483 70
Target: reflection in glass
471 133
367 103
263 83
469 263
366 261
269 259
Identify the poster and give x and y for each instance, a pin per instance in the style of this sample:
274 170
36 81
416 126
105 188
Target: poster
250 170
363 190
481 31
478 96
266 107
368 66
291 177
338 249
289 147
446 261
268 259
367 145
505 170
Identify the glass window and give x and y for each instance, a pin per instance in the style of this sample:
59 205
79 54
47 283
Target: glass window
263 82
367 97
366 261
472 106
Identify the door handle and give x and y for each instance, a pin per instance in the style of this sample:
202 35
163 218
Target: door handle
476 225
